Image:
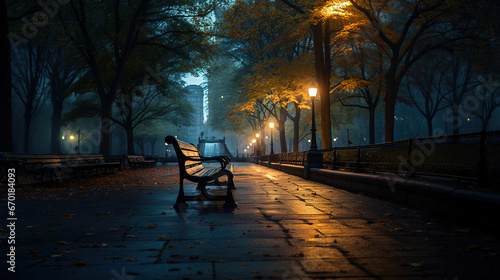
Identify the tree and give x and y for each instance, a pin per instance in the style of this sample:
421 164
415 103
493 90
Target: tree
282 88
155 102
457 84
362 82
107 34
485 100
277 69
322 19
5 82
427 79
407 31
30 83
62 71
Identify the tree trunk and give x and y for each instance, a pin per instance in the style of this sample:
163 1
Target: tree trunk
429 125
152 144
322 65
296 128
55 142
281 129
27 128
5 83
105 125
371 124
390 105
130 140
456 119
129 126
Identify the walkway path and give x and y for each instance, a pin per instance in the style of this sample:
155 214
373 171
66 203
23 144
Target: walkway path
122 227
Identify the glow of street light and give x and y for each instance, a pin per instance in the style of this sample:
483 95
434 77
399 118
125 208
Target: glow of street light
71 137
62 137
336 8
313 92
257 135
254 140
271 125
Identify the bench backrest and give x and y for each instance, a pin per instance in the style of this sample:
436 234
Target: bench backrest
187 155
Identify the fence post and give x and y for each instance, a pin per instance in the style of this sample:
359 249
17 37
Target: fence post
483 163
409 162
334 163
279 156
358 159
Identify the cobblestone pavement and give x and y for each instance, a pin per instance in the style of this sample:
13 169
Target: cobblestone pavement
122 226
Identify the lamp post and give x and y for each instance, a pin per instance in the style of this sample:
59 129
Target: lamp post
72 138
254 141
314 156
271 126
78 147
257 135
312 94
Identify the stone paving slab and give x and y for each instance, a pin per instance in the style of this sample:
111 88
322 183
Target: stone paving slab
284 228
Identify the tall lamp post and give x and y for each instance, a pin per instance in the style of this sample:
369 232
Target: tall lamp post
257 135
314 156
271 126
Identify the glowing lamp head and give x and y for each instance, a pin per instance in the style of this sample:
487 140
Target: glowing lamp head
271 125
313 92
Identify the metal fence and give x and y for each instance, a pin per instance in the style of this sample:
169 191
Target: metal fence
465 156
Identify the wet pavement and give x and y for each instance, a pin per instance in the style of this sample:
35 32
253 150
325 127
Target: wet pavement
122 226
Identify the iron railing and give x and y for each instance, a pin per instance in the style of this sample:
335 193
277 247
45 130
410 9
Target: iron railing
468 156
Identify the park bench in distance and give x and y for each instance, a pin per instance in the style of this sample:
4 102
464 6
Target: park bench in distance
139 161
57 166
191 168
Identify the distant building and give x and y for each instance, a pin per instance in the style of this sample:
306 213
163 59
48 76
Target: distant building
195 97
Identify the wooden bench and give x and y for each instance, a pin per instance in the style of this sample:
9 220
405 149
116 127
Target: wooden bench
191 168
57 166
139 161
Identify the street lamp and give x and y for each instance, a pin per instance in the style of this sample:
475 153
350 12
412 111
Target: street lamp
312 94
254 147
271 126
72 138
257 135
314 156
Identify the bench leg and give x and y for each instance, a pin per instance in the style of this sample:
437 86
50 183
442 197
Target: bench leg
230 203
181 200
230 185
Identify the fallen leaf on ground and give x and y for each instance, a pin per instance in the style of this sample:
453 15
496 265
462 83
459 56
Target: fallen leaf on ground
79 263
